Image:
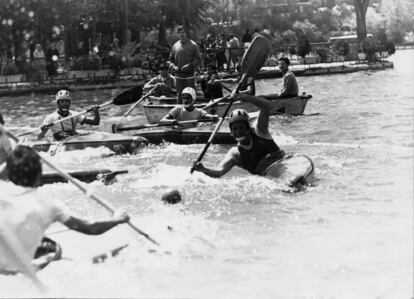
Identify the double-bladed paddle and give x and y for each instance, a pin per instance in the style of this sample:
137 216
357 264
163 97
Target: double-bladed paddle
252 61
127 97
118 128
83 189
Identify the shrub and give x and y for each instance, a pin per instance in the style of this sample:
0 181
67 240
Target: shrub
292 50
304 46
342 47
86 63
9 69
323 53
369 47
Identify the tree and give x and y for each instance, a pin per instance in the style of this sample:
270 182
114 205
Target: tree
360 11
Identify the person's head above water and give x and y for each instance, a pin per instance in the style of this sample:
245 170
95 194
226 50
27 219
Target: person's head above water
63 101
188 96
239 124
172 196
23 167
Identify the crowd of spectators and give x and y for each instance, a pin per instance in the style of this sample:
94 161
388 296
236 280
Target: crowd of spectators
224 51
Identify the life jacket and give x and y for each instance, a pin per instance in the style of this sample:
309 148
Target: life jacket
261 148
65 132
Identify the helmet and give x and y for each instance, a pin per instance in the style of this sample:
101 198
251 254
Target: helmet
190 91
237 115
63 95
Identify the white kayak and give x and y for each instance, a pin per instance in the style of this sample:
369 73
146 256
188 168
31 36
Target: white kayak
94 248
293 169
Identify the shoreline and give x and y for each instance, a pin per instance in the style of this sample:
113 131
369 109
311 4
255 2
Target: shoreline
106 79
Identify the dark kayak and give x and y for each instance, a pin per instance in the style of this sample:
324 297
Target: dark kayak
119 144
186 135
87 176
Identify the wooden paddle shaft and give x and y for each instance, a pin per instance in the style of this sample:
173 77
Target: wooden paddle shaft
116 129
210 140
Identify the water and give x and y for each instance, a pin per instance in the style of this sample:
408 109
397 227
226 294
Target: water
349 236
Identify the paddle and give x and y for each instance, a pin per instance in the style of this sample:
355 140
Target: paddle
140 100
124 98
252 61
84 190
116 128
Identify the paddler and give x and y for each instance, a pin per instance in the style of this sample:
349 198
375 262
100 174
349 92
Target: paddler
290 84
164 81
26 214
66 128
255 149
187 111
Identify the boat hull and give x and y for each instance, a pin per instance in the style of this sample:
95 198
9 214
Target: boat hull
293 169
294 106
87 176
120 144
186 136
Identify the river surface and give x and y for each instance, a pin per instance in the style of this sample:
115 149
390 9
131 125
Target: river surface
348 236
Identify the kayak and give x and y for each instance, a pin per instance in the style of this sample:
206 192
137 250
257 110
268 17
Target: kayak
87 176
50 248
120 144
77 246
293 106
293 169
186 135
71 245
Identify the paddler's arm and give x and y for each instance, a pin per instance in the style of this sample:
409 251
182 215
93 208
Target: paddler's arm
97 227
95 120
264 108
170 118
224 167
43 130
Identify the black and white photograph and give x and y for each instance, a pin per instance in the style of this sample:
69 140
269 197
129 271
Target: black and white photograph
207 149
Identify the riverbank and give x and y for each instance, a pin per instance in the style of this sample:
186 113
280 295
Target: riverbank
107 79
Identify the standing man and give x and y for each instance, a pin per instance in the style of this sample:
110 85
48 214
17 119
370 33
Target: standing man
290 85
184 59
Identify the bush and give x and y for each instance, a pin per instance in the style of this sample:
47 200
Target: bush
323 53
304 46
10 69
369 47
342 47
292 50
390 47
86 63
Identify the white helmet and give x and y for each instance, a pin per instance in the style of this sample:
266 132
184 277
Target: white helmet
63 95
190 91
238 115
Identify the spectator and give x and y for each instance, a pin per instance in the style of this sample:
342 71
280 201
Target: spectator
39 59
234 52
52 55
221 52
246 39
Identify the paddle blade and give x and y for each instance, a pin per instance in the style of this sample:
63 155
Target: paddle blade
128 96
255 56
